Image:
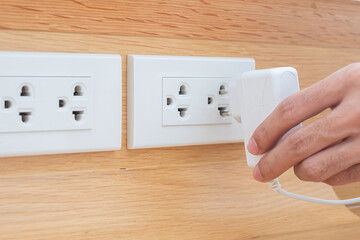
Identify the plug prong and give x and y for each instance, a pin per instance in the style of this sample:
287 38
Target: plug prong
224 111
223 91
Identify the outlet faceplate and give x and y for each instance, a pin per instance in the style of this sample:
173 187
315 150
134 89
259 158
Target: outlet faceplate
59 103
176 101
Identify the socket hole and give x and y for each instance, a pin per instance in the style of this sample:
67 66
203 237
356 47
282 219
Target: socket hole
78 115
182 112
182 90
7 104
25 116
78 91
25 91
223 111
223 90
169 101
210 100
62 103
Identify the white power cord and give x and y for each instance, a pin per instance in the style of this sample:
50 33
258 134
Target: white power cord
275 185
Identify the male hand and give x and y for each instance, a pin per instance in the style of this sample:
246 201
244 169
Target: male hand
327 150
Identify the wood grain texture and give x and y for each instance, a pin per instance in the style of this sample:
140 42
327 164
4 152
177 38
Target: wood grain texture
197 192
349 191
321 23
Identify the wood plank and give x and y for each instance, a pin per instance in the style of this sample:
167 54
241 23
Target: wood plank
169 202
320 23
196 192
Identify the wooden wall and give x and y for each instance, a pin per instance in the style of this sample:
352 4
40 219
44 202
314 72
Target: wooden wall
198 192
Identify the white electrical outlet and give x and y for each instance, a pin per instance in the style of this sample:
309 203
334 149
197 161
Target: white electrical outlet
176 101
59 103
46 103
190 101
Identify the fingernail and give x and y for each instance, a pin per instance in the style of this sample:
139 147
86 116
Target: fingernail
252 147
257 174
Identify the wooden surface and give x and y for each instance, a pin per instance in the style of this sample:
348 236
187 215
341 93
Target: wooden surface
350 191
198 192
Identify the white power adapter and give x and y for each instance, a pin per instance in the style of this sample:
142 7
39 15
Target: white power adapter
258 93
254 96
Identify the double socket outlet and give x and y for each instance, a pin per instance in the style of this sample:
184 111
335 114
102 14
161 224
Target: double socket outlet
195 101
59 103
46 103
176 101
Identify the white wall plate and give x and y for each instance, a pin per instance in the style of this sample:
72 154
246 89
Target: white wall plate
59 103
177 101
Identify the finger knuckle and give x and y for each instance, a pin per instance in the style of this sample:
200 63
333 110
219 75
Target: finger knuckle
340 160
309 171
286 109
351 122
330 123
297 142
327 126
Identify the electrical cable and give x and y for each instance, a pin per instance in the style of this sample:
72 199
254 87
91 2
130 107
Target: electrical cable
276 186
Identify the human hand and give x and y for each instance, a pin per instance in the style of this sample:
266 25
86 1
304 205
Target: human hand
328 149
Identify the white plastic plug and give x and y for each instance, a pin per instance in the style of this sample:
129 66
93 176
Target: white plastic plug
255 96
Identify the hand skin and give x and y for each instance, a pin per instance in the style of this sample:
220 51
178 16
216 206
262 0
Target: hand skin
328 149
